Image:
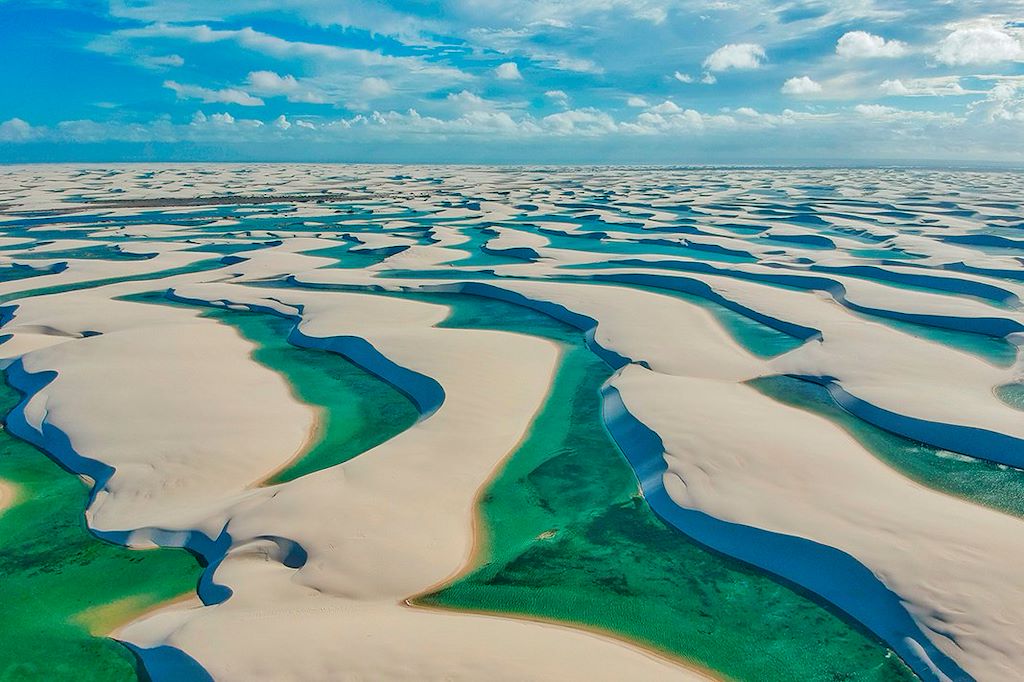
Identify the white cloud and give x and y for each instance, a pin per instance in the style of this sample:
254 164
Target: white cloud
558 96
271 84
374 87
667 107
282 123
1004 102
708 79
894 115
635 101
17 130
683 77
508 72
516 41
265 43
874 110
979 45
581 122
801 85
924 87
735 56
225 96
861 44
468 101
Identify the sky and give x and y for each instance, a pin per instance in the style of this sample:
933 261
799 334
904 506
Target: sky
514 81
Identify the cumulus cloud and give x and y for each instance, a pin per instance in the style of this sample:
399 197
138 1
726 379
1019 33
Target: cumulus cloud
896 115
979 45
224 96
271 84
736 56
635 101
17 130
1004 102
582 122
800 85
683 77
468 101
861 44
374 87
667 107
508 71
558 97
924 87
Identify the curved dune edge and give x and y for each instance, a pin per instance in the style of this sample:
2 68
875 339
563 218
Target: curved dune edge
788 557
898 628
478 554
568 651
882 369
688 669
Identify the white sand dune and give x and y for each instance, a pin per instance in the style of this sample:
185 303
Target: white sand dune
368 553
169 413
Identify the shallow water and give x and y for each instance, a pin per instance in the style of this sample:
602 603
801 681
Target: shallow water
357 410
567 537
993 485
58 582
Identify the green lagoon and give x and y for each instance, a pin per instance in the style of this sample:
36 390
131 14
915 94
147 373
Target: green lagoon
62 588
566 537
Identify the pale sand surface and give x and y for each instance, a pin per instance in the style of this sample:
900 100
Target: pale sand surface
216 422
705 362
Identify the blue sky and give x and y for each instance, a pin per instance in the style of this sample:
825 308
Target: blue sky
632 81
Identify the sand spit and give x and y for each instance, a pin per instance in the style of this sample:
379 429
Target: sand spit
8 496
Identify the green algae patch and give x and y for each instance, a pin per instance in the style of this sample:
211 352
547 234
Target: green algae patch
980 481
565 536
56 578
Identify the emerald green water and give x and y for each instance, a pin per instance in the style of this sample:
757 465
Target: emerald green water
756 338
996 351
568 538
1012 395
993 485
58 581
357 410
